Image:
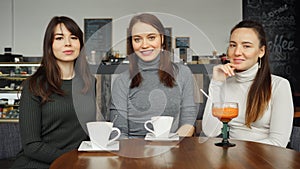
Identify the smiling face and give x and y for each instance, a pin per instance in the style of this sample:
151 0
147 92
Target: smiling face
244 48
65 46
146 41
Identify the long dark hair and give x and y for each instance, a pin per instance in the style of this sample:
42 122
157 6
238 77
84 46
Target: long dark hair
166 70
47 79
260 91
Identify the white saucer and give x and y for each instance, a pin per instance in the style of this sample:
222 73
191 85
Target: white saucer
151 137
87 146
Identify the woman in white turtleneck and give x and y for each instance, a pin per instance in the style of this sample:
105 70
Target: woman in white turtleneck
265 101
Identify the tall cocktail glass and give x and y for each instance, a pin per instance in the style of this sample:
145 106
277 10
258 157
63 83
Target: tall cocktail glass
225 111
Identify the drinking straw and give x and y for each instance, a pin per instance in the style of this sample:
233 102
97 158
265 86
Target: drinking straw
206 95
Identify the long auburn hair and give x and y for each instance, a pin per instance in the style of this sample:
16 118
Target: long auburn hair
166 70
47 79
260 91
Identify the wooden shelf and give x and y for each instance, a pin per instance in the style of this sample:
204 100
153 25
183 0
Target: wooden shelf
12 64
9 120
297 112
16 78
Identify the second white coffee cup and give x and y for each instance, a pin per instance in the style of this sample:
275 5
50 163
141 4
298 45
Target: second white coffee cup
100 132
161 125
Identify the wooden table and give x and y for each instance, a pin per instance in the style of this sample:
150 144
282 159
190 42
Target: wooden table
188 153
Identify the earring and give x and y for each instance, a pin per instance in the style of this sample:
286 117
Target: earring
259 63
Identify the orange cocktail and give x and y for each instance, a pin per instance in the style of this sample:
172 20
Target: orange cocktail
225 114
225 111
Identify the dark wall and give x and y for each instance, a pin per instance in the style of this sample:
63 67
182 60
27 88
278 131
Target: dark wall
279 18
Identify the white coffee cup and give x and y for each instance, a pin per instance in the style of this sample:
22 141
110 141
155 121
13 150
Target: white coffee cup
161 125
99 132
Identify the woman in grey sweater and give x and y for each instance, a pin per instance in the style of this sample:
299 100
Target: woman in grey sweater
153 85
51 112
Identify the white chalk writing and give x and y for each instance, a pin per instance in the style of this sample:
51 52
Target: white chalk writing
280 43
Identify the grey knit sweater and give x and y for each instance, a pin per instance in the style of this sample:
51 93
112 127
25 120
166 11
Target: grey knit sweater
130 108
54 128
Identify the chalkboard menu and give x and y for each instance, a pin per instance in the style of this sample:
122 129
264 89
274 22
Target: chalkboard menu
182 42
98 37
279 20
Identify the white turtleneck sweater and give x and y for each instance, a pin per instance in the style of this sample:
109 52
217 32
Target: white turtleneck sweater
275 125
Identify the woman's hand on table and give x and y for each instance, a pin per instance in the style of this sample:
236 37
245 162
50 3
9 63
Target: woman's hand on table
186 130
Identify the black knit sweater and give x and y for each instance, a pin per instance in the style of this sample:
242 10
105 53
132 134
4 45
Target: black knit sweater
49 130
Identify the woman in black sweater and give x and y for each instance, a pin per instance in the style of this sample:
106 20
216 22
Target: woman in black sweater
52 119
